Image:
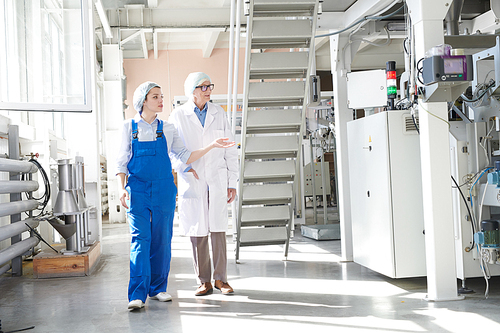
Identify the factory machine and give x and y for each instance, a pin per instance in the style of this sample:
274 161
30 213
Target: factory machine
384 160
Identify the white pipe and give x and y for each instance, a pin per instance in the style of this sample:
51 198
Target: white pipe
16 228
17 249
236 63
9 165
16 207
230 66
17 186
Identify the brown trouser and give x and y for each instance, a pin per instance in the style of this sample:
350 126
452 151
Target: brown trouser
201 257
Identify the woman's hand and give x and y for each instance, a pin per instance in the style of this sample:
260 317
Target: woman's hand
222 143
124 197
194 173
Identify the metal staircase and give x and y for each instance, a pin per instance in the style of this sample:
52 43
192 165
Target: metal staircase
279 58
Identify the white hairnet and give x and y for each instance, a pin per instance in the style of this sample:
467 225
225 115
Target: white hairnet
140 94
193 80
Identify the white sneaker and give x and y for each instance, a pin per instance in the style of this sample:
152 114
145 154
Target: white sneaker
135 304
162 297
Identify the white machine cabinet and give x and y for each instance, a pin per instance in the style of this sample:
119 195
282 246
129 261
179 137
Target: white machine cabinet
386 194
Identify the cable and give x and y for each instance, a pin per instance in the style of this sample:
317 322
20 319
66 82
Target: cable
46 195
366 18
470 191
468 211
432 114
482 143
486 88
482 265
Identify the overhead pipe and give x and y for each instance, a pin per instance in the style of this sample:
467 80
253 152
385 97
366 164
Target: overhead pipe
9 165
17 186
452 17
13 229
17 249
17 207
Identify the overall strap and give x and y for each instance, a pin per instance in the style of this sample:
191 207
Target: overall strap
135 133
159 129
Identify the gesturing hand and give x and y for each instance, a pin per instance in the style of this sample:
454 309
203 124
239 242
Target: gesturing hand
222 143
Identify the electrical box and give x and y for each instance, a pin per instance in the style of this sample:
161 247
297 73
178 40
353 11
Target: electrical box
318 181
366 89
386 194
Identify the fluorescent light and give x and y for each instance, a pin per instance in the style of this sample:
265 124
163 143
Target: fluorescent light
103 18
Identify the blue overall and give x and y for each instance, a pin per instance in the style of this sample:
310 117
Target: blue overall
151 213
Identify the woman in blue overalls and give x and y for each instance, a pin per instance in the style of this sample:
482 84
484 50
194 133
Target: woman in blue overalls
149 192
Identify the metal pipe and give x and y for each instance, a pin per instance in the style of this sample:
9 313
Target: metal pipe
13 229
17 207
9 165
452 17
65 169
313 181
236 64
17 186
323 183
230 66
17 249
15 198
4 269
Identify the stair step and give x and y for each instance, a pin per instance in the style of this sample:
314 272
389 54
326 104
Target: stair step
269 215
269 171
274 121
267 194
269 34
283 7
276 65
263 236
271 147
269 94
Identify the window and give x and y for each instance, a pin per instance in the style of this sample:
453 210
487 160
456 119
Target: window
45 55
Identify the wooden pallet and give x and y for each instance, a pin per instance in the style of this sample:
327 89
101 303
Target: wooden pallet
50 264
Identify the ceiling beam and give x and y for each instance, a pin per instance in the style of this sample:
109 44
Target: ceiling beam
144 44
209 43
104 19
129 38
362 8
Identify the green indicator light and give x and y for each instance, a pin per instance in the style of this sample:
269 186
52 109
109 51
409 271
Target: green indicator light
459 75
391 90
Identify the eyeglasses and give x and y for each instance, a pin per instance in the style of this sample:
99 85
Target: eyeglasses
204 88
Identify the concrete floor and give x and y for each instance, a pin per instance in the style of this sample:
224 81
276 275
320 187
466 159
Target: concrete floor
311 292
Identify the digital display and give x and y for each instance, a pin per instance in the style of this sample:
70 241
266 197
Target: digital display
453 65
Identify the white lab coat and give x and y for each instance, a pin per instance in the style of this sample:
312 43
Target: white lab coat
203 202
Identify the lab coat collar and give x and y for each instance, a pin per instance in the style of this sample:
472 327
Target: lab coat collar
189 111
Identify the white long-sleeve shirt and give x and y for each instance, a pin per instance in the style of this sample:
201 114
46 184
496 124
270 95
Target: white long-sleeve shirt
147 132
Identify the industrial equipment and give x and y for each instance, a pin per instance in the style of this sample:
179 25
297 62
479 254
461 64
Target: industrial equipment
447 68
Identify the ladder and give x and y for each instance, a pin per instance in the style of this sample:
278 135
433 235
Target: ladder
279 58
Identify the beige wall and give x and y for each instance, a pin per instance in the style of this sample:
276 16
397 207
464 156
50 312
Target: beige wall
171 69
